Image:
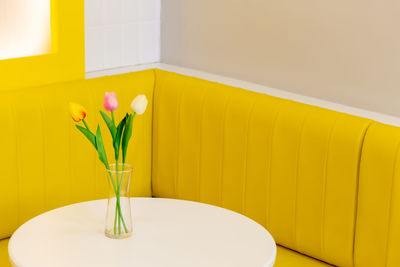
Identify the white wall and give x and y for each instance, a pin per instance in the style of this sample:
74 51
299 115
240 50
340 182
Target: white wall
342 51
121 33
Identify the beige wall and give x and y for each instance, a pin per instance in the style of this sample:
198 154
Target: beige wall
346 51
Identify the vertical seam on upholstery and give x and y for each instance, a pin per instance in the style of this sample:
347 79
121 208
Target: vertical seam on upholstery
152 159
152 131
155 136
17 144
223 149
361 149
247 132
147 146
178 128
325 181
390 201
43 156
298 148
200 145
267 218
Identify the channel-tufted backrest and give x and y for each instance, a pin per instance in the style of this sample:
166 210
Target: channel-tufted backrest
289 166
377 240
46 163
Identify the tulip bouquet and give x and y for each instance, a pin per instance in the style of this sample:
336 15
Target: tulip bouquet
121 134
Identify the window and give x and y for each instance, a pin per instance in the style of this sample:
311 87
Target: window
25 28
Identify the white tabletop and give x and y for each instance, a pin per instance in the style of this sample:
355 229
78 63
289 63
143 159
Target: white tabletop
166 232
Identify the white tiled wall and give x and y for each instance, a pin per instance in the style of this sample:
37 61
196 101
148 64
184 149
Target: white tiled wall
121 33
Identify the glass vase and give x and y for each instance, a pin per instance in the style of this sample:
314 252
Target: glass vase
118 218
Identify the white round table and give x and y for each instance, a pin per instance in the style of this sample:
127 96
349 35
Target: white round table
166 232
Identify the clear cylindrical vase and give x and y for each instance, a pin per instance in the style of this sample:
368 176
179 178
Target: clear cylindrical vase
118 218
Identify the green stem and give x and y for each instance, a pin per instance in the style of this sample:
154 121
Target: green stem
119 224
122 176
116 173
119 193
115 221
122 219
115 190
84 122
117 196
112 181
118 207
118 204
119 188
112 116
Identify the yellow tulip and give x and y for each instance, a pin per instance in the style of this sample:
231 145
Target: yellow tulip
77 112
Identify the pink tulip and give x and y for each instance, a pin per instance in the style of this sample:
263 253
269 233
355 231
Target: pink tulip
110 101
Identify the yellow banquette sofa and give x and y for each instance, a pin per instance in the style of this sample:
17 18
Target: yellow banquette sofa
325 184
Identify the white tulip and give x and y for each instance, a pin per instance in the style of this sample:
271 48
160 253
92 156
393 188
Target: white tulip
139 104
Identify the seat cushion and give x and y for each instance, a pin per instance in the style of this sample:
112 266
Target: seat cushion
48 163
4 260
291 167
377 241
289 258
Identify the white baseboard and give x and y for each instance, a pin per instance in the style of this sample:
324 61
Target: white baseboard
120 70
380 117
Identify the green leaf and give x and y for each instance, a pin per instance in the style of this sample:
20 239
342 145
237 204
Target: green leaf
117 139
89 135
110 124
100 148
127 136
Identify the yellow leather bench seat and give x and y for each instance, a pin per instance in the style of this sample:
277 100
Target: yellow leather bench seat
4 260
289 258
47 163
325 184
377 240
291 167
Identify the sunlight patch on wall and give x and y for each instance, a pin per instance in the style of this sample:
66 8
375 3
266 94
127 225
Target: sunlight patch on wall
25 28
